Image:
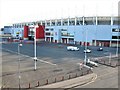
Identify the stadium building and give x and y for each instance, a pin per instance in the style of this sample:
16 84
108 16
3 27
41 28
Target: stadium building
96 31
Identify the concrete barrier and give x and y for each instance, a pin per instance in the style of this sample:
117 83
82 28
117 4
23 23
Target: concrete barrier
38 84
29 86
71 82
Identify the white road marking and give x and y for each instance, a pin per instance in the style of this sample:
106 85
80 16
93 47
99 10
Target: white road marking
30 57
93 79
106 74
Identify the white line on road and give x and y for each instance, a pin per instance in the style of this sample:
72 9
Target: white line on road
98 77
93 80
29 57
106 74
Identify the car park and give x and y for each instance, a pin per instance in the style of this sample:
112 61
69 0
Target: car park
72 48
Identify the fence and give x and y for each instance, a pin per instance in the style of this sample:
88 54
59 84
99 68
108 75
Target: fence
112 62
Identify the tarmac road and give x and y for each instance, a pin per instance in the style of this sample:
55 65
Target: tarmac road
57 55
107 77
49 51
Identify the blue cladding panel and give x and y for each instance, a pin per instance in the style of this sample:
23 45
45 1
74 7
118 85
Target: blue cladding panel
99 32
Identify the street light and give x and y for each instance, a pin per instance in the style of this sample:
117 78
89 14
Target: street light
85 60
110 58
35 56
19 76
117 42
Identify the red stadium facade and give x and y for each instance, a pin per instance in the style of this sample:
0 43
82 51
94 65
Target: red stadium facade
26 30
40 34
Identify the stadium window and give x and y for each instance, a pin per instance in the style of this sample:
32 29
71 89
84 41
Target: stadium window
116 22
2 29
51 29
53 23
48 34
115 30
63 29
100 22
115 37
48 24
58 23
47 29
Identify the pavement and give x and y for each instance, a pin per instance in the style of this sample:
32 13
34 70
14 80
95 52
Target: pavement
45 71
107 77
72 82
98 79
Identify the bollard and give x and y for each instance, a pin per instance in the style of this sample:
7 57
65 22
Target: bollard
62 78
55 80
38 84
82 74
104 62
76 75
69 76
46 81
87 71
110 64
29 85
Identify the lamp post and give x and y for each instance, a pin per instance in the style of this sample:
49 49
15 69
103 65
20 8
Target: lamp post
35 53
110 58
117 42
19 76
85 60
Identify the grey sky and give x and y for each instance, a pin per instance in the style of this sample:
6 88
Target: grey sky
15 11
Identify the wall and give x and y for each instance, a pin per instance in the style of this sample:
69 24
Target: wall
57 33
16 30
7 29
104 32
100 32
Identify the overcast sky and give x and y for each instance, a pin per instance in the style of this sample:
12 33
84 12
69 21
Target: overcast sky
15 11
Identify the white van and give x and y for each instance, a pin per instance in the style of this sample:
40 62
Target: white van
72 48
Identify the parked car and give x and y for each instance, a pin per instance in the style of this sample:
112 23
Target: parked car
100 49
87 51
72 48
